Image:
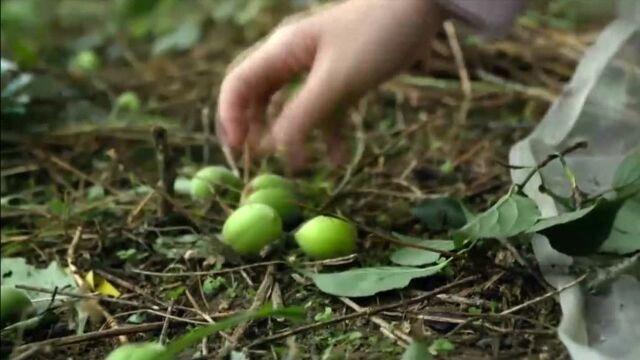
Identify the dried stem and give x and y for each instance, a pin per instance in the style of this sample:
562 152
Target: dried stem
550 158
166 172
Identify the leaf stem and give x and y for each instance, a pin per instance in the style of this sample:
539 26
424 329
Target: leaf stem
578 145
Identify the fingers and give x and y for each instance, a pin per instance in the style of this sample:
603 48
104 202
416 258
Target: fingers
314 104
334 140
246 90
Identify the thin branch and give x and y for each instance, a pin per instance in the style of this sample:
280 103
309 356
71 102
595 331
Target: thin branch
545 296
396 241
397 335
578 145
520 306
165 327
68 167
258 301
612 272
85 296
93 336
166 171
365 312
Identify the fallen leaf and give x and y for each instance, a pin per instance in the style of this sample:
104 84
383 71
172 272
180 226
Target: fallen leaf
370 281
408 256
512 215
100 285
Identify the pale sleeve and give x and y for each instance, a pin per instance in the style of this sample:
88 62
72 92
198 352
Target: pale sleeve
490 17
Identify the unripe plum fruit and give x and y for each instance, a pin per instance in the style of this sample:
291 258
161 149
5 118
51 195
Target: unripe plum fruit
212 180
14 305
325 237
269 181
141 351
250 228
281 200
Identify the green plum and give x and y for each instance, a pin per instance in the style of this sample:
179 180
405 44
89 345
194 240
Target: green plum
325 237
140 351
212 180
14 305
128 101
281 200
269 181
85 62
251 227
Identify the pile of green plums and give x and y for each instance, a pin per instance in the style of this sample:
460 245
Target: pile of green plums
269 204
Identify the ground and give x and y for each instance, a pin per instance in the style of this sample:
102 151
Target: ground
431 132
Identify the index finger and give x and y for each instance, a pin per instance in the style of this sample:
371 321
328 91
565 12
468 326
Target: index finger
255 79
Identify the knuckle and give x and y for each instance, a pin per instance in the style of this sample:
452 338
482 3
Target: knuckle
285 32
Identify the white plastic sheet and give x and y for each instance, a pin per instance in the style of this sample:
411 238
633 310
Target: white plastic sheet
601 105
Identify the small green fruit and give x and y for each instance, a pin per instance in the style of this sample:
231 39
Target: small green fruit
213 180
269 181
182 185
325 237
142 351
14 305
281 200
250 228
128 101
85 62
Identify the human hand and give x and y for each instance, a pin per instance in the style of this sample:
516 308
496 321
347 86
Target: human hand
347 49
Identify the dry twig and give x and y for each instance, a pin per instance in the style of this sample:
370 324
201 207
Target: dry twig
366 312
258 301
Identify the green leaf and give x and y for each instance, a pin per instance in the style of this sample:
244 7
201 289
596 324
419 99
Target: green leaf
513 214
183 38
211 285
417 350
225 10
370 281
474 310
95 192
16 271
325 315
136 8
609 225
564 218
251 11
628 171
441 346
137 318
440 214
176 247
194 336
176 293
236 355
130 254
408 256
625 235
59 208
583 231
